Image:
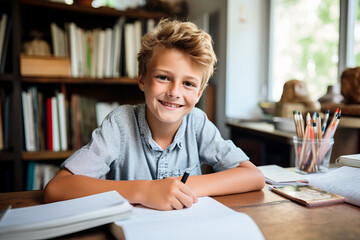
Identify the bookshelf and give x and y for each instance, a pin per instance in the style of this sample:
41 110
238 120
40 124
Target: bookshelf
37 15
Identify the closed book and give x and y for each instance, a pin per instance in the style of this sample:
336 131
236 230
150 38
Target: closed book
37 66
36 118
49 124
62 121
109 51
30 175
3 23
72 35
117 43
38 176
54 39
75 121
25 121
81 51
351 160
94 58
47 221
5 45
55 124
28 118
41 121
100 57
138 36
130 50
89 43
307 195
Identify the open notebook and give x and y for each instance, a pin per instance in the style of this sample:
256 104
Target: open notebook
207 219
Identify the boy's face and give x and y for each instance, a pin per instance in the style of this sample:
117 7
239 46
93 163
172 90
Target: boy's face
171 87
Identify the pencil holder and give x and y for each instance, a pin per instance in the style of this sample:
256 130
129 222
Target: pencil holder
312 155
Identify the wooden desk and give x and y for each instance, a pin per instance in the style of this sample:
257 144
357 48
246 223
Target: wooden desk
277 217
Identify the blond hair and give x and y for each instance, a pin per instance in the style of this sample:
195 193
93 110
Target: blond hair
183 36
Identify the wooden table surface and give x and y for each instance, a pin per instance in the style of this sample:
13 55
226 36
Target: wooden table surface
278 218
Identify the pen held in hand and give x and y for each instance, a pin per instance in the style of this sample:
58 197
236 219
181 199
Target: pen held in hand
184 177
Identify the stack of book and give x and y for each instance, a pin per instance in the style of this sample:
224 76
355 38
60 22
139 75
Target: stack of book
98 53
57 123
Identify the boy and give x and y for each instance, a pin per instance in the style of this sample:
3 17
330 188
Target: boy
144 150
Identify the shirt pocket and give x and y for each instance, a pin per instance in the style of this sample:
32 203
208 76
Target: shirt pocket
192 170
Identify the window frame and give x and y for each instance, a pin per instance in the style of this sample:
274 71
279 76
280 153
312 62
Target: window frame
347 20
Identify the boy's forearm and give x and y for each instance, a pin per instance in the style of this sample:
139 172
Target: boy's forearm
244 178
74 186
166 194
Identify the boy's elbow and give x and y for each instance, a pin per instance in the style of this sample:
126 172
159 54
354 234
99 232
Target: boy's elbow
50 192
257 179
260 181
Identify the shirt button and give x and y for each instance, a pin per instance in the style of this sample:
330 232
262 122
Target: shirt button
180 145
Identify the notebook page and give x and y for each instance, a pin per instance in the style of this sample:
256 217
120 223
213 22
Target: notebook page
344 181
207 219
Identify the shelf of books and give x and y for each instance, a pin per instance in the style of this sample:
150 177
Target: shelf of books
63 68
83 80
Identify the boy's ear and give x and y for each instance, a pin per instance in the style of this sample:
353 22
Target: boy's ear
141 82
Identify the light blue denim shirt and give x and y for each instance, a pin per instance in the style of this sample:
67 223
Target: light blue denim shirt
122 148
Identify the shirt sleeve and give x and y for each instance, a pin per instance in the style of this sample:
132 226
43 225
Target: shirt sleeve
213 149
95 158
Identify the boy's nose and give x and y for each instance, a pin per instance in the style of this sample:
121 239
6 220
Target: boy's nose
174 90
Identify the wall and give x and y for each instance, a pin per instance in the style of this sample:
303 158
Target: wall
217 8
241 46
247 54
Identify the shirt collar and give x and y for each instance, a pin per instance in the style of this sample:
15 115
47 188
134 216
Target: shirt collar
146 133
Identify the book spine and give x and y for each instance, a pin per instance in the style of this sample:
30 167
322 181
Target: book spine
62 121
73 50
55 124
3 24
49 123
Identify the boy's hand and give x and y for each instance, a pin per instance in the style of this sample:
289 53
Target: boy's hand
168 194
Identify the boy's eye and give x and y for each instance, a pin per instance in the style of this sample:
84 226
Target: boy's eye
161 77
189 84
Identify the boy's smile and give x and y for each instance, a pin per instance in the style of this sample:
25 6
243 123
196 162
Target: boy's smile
171 87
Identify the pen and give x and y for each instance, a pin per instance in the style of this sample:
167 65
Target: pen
185 176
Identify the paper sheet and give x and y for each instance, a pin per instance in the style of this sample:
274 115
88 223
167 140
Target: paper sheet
280 174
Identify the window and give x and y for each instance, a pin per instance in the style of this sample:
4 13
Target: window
305 43
357 37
